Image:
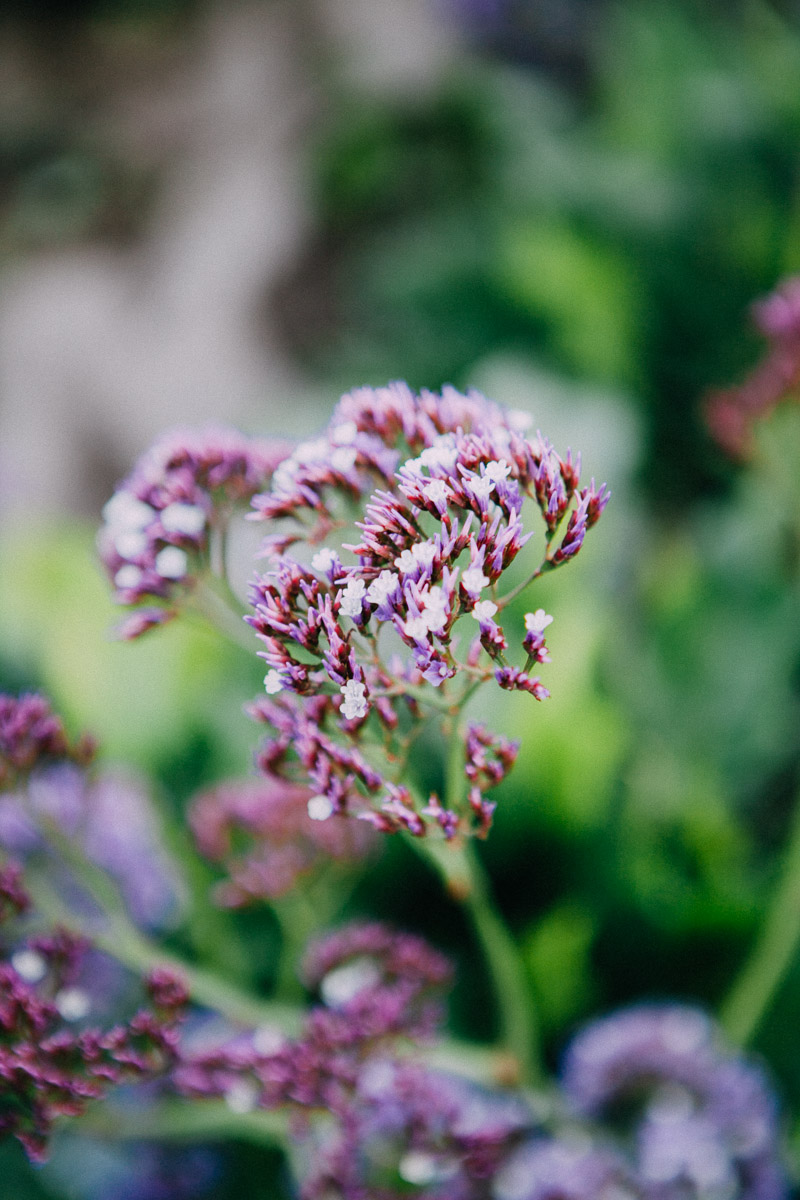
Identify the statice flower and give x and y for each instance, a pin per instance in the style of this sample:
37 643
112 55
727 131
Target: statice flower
44 784
573 1166
703 1120
732 414
52 1063
359 631
285 831
32 735
158 526
412 1131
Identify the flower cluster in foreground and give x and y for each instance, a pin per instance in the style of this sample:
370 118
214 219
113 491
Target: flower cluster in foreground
397 528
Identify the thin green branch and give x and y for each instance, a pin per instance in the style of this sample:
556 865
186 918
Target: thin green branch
757 985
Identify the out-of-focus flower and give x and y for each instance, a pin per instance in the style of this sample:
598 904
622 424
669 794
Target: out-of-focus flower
287 831
48 1069
732 414
155 539
31 734
704 1120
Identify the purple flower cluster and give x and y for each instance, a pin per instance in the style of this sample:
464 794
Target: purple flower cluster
48 1069
155 539
283 841
732 414
31 735
440 483
377 985
705 1121
650 1104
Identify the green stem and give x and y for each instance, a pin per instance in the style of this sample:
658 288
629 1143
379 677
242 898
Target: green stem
754 990
218 606
120 939
184 1120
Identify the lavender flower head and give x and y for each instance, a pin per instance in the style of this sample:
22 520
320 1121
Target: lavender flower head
705 1120
284 838
160 523
31 735
357 633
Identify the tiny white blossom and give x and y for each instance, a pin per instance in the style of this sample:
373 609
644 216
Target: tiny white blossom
481 486
124 511
128 576
434 609
424 553
416 628
474 580
354 705
437 491
183 518
342 984
273 682
130 543
312 452
344 433
442 453
422 1169
484 610
537 622
519 420
268 1040
73 1003
171 562
384 586
319 808
242 1096
498 470
323 560
352 596
406 562
343 459
29 965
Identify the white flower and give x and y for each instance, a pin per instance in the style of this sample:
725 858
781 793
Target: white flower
416 628
537 622
324 559
344 433
383 587
342 984
424 553
437 491
171 562
130 543
519 420
124 511
497 470
434 609
354 705
481 486
343 459
474 580
128 576
29 965
189 519
312 452
273 682
352 597
484 610
442 453
242 1096
319 808
406 563
73 1003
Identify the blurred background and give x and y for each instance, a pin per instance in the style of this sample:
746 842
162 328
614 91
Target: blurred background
235 211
